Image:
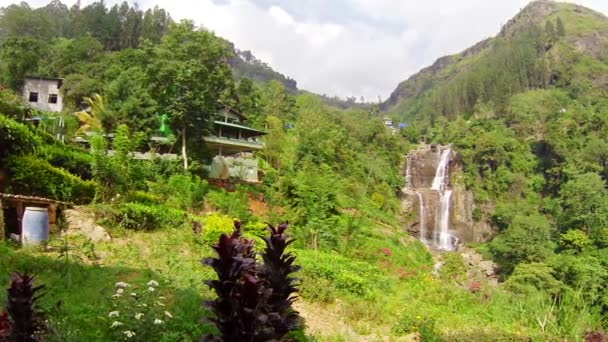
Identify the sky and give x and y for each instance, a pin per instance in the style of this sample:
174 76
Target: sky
347 47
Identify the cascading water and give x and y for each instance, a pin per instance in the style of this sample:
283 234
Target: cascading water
422 218
408 175
443 238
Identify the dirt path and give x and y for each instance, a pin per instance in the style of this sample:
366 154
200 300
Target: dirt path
328 325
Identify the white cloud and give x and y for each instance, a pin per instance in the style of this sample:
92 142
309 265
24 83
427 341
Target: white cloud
355 48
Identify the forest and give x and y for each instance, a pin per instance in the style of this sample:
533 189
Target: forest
525 114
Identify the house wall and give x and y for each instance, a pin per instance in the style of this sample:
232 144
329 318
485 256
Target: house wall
44 88
244 169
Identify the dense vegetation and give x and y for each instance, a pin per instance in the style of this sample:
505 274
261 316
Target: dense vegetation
527 114
525 111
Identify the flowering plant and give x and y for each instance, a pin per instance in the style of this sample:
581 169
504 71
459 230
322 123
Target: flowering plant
138 312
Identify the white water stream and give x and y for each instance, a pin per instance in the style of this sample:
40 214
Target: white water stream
443 238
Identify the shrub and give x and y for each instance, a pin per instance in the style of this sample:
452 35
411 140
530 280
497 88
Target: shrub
26 319
215 225
575 240
425 326
182 191
235 204
16 138
34 176
454 266
77 162
253 305
140 216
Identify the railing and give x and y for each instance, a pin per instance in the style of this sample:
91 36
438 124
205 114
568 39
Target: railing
251 142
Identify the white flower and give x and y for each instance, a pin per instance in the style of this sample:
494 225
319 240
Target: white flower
120 291
122 284
128 333
139 315
116 324
160 304
158 321
161 297
152 283
151 289
113 314
133 294
168 314
116 295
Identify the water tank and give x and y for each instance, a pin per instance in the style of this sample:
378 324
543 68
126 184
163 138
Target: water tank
35 226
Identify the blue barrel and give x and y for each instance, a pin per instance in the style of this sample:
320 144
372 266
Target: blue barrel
35 226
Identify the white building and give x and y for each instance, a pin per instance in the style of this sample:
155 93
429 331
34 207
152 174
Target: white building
43 94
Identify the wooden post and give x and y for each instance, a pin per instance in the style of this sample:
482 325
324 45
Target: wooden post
2 224
20 219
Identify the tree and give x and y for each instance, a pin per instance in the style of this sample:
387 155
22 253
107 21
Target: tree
584 204
189 75
527 239
19 56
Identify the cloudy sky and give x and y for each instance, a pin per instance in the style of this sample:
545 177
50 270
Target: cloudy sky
347 47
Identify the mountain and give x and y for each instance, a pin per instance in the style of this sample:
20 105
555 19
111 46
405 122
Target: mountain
548 44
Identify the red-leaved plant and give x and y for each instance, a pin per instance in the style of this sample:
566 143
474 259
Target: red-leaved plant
5 326
277 270
25 322
253 304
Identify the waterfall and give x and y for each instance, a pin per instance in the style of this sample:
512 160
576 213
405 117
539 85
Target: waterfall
408 175
443 238
422 218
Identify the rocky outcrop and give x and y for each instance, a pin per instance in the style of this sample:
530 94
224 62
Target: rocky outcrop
80 222
420 203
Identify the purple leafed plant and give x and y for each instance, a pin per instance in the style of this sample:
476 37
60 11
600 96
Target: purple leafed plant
277 270
253 304
27 324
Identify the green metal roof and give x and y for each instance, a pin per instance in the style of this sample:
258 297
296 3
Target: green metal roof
222 123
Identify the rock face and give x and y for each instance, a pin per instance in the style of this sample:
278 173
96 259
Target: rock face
83 223
421 201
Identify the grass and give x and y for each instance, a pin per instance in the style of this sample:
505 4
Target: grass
368 289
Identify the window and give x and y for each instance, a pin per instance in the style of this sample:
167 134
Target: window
52 98
33 97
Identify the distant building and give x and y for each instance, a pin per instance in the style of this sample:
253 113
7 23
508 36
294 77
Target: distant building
43 94
233 143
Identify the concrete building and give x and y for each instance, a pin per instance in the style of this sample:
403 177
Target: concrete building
233 144
43 94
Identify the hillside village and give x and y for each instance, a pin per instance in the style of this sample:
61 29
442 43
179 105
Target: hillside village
162 185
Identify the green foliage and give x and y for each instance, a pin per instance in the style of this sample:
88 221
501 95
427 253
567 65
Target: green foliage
214 225
453 267
35 176
425 326
527 239
538 276
184 191
118 173
575 240
16 138
139 216
234 204
76 161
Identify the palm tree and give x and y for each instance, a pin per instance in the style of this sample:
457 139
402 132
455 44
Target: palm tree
92 120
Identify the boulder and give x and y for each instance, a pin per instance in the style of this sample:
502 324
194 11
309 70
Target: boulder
84 223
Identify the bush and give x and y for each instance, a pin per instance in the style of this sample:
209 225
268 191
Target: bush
34 176
16 138
140 216
425 326
77 162
182 191
235 204
214 225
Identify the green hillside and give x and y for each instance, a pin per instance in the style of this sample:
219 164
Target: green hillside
526 113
